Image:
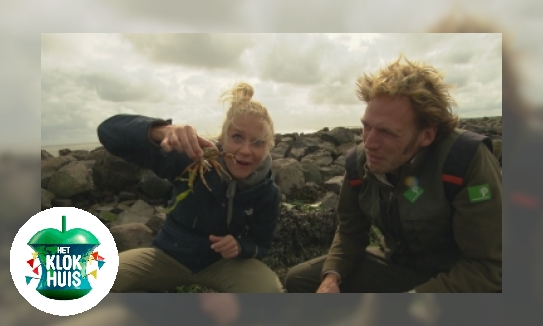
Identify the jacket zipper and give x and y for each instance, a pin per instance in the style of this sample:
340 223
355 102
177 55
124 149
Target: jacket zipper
393 228
194 223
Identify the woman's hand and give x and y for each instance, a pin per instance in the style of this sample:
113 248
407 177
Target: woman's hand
180 138
227 246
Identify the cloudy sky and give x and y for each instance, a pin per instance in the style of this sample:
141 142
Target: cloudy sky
307 81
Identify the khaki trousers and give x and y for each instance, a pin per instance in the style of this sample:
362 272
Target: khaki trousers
372 274
151 269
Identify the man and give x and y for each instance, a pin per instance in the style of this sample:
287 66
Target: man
431 244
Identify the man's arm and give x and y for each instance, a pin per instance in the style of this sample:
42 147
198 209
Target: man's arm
352 234
477 227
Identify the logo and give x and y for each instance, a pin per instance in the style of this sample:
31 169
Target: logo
413 193
479 193
64 261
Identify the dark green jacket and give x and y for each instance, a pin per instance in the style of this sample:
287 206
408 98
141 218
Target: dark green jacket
460 243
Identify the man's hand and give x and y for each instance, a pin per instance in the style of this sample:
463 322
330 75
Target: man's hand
227 246
329 284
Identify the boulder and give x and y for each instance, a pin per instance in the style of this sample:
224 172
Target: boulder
343 148
113 173
140 212
62 203
340 161
280 150
79 154
46 199
70 180
329 201
288 173
131 236
51 165
338 136
328 172
156 222
45 155
319 158
334 184
311 173
155 187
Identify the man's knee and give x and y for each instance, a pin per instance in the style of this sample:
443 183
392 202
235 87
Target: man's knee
304 277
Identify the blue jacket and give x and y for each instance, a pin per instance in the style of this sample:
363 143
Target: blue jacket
185 234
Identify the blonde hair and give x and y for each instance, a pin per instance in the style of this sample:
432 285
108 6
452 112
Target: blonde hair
239 101
422 84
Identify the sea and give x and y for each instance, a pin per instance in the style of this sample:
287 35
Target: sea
53 149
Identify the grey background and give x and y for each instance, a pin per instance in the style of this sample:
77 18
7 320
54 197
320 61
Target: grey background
22 22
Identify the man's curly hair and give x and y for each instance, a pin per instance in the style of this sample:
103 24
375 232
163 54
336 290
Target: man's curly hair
422 84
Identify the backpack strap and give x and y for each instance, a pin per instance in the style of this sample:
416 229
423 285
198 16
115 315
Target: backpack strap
351 169
458 160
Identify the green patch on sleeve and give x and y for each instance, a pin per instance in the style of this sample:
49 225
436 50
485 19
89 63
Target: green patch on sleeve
479 193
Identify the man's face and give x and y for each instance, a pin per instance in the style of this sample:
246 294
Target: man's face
390 135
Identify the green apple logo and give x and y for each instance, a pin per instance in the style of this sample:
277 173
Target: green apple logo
63 258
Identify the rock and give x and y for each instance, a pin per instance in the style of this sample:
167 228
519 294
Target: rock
319 158
81 200
70 180
89 164
280 150
79 154
311 173
297 152
309 193
126 195
334 184
338 136
331 171
497 149
95 153
300 236
45 155
156 222
357 139
62 203
113 173
154 186
309 143
344 148
329 200
140 212
52 165
46 198
131 236
288 173
107 216
340 161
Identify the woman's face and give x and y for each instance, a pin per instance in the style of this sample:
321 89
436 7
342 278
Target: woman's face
243 139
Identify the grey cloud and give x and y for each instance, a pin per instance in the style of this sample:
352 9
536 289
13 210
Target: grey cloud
114 89
287 63
58 83
74 102
200 50
334 94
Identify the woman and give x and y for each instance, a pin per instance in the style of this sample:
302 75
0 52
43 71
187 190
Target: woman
216 235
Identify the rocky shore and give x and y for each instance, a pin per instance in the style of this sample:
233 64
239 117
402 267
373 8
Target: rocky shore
308 168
